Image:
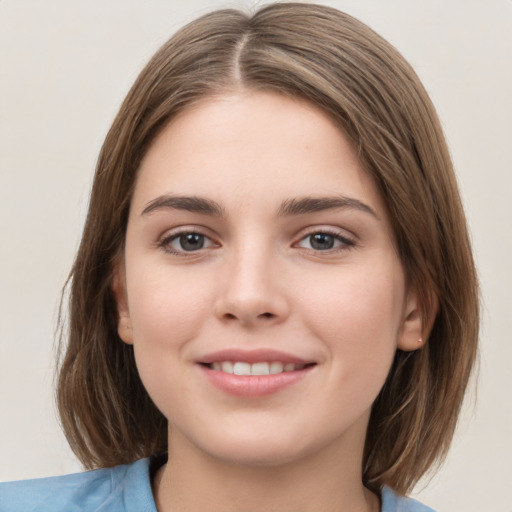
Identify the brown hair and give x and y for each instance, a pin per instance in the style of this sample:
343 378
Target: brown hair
340 65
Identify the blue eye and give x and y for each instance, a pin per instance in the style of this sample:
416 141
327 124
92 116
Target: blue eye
325 241
321 241
186 242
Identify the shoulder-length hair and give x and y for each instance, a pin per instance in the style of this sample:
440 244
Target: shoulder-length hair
344 68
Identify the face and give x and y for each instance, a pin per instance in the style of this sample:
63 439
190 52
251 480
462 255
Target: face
261 286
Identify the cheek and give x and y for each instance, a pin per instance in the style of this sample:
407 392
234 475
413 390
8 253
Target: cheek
167 310
166 306
358 314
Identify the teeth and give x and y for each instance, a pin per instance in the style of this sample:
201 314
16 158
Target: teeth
226 367
242 369
276 367
261 368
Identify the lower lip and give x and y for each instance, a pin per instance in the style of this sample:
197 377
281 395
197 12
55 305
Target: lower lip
253 385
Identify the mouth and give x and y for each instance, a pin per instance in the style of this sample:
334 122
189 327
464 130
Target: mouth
254 373
259 368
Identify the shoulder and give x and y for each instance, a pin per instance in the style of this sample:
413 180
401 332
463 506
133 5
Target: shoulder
123 488
392 502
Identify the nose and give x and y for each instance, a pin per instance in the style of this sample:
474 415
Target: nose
251 293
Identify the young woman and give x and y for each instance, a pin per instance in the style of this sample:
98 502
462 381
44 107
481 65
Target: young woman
274 305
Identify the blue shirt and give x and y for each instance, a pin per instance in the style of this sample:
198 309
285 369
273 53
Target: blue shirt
124 488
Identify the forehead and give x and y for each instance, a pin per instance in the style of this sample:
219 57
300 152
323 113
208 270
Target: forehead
249 145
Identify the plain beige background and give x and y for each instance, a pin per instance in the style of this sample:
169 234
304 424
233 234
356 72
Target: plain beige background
65 66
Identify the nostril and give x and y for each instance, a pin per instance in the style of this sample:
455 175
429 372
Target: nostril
267 315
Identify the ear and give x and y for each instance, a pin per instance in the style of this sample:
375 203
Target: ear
415 328
124 324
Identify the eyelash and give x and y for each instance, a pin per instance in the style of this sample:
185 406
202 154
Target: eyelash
345 243
165 243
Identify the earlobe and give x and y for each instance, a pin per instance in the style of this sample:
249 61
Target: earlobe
415 328
124 325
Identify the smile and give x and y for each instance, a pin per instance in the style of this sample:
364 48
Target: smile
259 368
254 373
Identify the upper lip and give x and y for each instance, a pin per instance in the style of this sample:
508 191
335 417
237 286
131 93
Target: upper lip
251 356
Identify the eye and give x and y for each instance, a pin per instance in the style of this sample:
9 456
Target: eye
184 242
325 241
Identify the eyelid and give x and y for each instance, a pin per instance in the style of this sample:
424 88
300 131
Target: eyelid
347 241
164 240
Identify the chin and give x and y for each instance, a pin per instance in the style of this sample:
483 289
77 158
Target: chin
258 451
257 458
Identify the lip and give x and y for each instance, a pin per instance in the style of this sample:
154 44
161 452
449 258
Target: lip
251 356
253 386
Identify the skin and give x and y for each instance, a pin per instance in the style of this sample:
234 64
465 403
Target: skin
261 281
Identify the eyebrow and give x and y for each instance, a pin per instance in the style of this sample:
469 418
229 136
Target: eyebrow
289 207
187 203
305 205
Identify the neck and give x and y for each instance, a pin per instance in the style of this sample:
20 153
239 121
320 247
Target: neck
193 481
